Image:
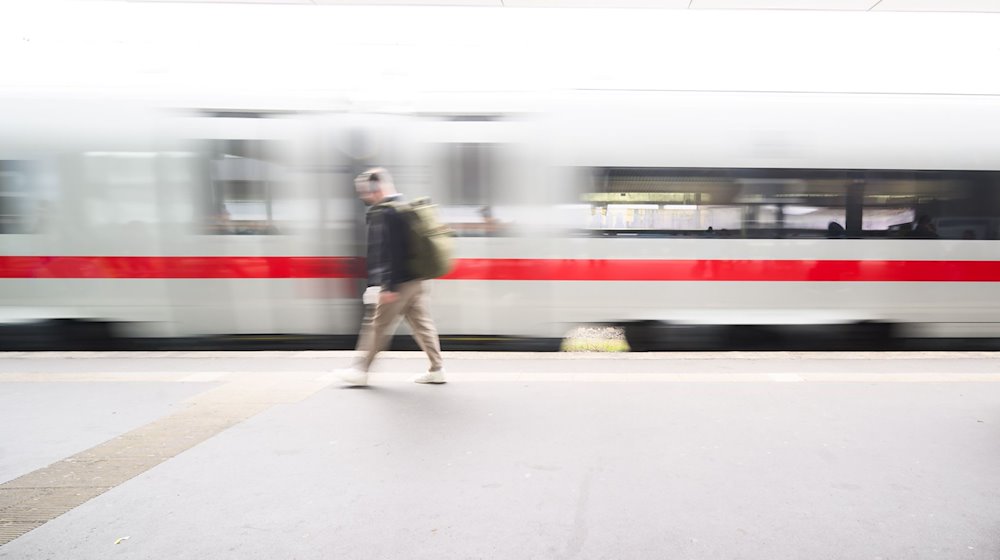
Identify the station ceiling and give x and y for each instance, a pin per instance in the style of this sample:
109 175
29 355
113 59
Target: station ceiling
812 5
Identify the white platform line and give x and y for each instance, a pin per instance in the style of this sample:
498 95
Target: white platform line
377 377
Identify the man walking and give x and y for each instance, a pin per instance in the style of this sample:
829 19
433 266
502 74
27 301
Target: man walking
393 289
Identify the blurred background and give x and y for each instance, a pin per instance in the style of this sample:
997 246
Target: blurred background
675 175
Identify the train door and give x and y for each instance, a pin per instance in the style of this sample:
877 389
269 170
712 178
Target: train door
480 172
490 187
252 204
349 144
78 188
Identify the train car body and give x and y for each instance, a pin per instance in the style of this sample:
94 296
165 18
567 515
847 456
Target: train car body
666 212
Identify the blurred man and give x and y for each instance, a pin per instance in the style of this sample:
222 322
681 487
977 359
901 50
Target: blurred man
393 290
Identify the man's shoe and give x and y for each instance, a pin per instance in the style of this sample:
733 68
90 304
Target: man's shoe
430 377
353 376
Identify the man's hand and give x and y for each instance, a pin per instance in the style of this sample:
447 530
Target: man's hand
386 297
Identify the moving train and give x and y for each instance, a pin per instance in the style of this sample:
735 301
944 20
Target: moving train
694 220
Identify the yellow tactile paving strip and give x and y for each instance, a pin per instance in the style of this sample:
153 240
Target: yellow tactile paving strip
36 498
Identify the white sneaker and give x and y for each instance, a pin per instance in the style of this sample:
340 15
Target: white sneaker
353 376
430 377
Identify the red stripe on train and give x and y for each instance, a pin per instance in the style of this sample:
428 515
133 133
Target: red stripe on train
181 267
718 270
708 270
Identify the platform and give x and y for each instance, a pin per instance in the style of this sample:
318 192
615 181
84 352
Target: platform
731 455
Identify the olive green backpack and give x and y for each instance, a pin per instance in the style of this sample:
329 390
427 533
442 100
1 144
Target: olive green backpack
432 244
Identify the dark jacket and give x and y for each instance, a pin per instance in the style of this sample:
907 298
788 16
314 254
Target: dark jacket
388 246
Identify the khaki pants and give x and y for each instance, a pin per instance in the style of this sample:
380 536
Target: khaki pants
378 326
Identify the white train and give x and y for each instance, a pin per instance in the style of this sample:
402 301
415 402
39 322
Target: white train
679 215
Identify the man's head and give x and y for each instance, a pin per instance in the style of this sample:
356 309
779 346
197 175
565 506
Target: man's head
374 185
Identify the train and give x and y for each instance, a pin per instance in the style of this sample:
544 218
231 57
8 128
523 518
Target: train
691 219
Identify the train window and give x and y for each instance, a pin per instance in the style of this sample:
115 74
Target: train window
243 176
961 205
17 200
132 188
121 187
791 203
470 175
682 202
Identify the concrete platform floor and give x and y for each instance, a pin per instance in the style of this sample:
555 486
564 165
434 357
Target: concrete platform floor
731 455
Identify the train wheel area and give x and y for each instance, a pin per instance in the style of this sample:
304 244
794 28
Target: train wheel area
656 336
67 335
651 336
